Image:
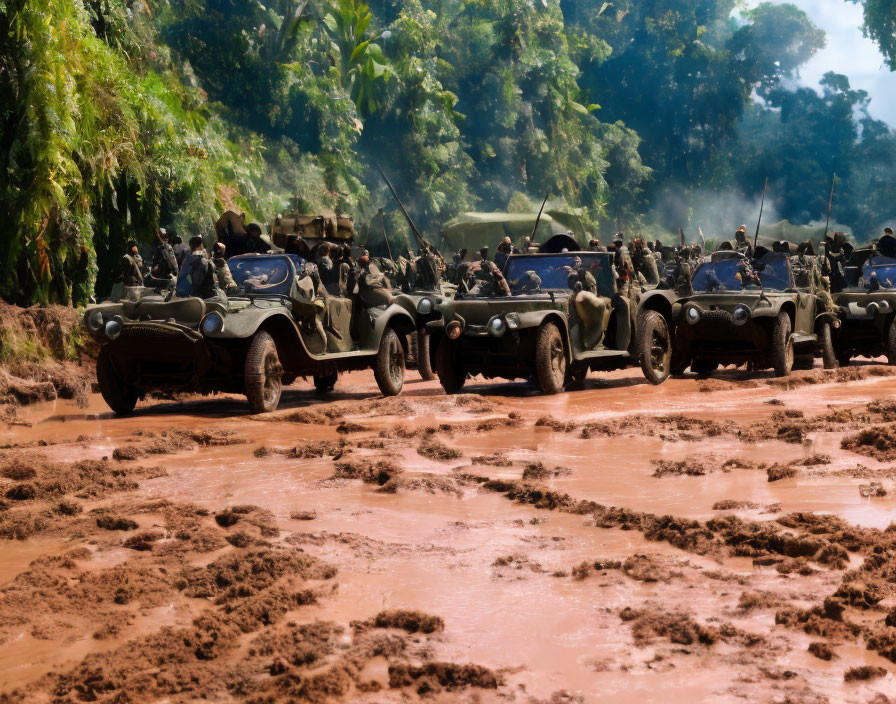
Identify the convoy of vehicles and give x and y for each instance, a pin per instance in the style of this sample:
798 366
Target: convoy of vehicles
769 310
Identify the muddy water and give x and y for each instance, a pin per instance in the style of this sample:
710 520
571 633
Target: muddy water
500 573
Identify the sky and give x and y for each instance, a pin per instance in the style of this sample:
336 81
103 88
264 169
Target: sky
848 52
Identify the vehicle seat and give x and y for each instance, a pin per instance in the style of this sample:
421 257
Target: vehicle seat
593 313
623 327
338 324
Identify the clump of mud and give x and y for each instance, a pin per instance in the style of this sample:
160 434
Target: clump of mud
584 569
864 672
496 459
647 568
368 471
537 471
311 450
878 442
434 677
648 624
436 450
405 620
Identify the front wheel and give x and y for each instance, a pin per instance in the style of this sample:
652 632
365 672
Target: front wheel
654 347
424 361
828 355
550 359
782 345
388 366
263 374
120 396
452 375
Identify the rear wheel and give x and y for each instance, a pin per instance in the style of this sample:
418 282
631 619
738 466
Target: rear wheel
451 373
828 355
388 366
325 384
424 361
263 374
120 396
550 359
891 342
654 347
782 345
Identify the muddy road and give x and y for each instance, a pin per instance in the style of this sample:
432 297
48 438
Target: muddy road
722 540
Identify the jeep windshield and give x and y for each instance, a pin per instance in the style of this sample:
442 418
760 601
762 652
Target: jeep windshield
555 270
739 274
264 275
879 272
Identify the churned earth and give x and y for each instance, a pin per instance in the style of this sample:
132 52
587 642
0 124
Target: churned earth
724 540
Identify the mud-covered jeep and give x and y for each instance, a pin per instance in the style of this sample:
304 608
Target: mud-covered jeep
548 330
866 297
750 311
274 329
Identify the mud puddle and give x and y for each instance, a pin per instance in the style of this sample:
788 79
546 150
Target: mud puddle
364 510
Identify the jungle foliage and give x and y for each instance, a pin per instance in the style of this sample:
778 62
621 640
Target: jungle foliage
117 116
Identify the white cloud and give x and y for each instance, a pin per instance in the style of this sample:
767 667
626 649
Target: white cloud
848 52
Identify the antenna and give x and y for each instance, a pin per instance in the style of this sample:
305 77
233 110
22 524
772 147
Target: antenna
404 211
385 234
830 203
538 219
761 206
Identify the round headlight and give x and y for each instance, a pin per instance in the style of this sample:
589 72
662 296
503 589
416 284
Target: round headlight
113 328
454 329
692 315
873 309
513 321
884 306
741 314
95 320
213 323
424 306
497 327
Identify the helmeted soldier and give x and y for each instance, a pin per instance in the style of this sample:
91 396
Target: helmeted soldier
595 246
197 273
740 242
836 253
327 270
132 265
505 246
643 261
374 289
529 282
529 245
164 260
180 250
489 281
254 243
579 278
428 270
223 276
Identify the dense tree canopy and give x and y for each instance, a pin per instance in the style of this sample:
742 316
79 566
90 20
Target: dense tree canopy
117 116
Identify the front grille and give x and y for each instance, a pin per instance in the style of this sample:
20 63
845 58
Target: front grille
723 315
154 333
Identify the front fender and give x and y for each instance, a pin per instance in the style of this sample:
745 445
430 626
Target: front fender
395 316
245 323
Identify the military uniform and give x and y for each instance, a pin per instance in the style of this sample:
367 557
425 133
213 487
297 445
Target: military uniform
529 282
197 275
489 280
132 268
164 261
428 270
374 288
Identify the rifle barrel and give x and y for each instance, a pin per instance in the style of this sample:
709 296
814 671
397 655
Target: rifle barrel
827 223
404 210
538 219
761 207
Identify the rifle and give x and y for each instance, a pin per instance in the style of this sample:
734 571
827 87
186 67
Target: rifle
385 234
680 237
702 238
761 206
404 211
830 203
538 219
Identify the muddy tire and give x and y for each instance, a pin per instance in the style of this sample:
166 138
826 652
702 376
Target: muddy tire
890 347
781 352
703 367
325 384
654 347
118 395
451 373
388 366
424 361
828 355
550 359
263 374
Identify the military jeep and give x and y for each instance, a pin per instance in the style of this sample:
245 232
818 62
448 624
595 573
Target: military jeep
276 328
750 311
549 331
866 296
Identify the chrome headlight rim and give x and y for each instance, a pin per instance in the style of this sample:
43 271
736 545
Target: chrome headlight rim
497 326
513 321
692 314
425 306
112 328
95 321
454 329
884 305
212 324
741 314
873 309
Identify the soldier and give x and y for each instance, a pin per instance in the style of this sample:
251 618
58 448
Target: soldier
529 282
223 277
180 250
579 278
506 246
428 270
254 243
836 253
132 265
529 245
197 273
595 246
643 261
462 273
489 279
327 270
740 242
374 289
164 261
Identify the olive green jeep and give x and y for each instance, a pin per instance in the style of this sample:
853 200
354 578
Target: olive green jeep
274 329
548 329
751 310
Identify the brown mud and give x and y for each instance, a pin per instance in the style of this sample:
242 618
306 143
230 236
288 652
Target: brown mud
721 540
